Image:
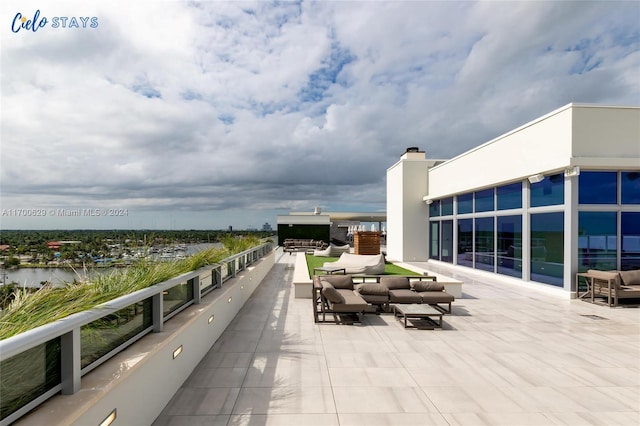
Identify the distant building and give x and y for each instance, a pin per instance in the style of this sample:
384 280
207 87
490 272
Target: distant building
267 227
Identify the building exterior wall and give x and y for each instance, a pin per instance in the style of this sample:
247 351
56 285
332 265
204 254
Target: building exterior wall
407 214
556 233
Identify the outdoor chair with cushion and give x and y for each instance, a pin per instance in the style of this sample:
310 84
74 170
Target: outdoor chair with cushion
337 297
614 285
433 293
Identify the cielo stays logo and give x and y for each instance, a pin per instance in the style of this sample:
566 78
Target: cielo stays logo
21 22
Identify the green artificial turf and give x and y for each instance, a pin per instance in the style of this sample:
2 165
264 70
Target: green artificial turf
389 268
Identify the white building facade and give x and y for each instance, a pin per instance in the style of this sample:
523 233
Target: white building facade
554 197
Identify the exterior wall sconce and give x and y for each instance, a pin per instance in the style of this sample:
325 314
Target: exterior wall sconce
210 320
536 178
110 418
229 301
177 352
572 171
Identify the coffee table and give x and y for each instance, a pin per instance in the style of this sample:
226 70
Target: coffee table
420 311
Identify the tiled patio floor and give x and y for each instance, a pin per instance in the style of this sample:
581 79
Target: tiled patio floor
507 356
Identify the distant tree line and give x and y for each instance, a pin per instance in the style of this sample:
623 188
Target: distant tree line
34 242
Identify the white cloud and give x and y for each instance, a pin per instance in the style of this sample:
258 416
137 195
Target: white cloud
215 108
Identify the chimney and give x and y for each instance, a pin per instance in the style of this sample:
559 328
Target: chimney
413 153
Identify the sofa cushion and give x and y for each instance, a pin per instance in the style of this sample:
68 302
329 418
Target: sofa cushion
436 297
339 281
401 295
352 302
331 294
427 286
373 289
394 283
630 277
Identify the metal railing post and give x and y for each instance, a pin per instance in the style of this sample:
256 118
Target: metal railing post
156 312
195 282
70 361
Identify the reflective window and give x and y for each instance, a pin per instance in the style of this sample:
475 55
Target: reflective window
597 241
101 336
598 188
434 235
547 248
484 244
465 242
630 255
465 203
29 375
434 208
630 184
548 192
509 254
447 206
447 241
509 196
484 200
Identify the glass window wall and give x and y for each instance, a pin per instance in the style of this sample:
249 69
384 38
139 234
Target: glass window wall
484 249
434 235
434 208
547 248
597 241
548 192
465 203
598 188
447 206
509 255
484 200
447 241
465 242
630 182
630 230
509 196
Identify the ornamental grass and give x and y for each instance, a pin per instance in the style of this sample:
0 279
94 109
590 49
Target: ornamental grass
33 309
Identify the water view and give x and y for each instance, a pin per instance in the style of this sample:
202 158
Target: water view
33 277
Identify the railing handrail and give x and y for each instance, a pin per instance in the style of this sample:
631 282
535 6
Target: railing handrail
21 342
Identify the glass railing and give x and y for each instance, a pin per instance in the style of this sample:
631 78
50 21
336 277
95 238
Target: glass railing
51 359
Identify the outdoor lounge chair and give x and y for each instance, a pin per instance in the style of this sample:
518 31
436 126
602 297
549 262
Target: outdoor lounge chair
359 264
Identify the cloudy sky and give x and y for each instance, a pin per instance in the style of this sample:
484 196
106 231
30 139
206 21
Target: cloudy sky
204 115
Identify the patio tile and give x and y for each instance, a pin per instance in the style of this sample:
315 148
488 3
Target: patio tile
393 419
202 401
284 420
284 400
508 355
369 399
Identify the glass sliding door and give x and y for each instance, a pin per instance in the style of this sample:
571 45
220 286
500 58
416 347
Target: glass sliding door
509 254
630 255
547 248
597 241
484 250
447 241
434 236
465 242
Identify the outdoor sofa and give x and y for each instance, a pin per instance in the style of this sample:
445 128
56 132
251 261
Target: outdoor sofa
359 294
369 264
303 244
614 285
